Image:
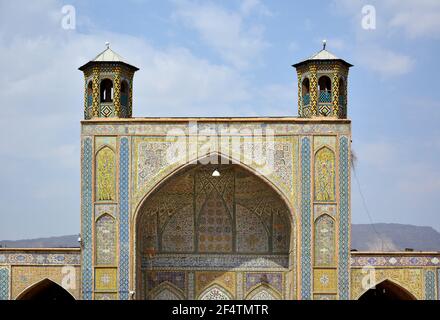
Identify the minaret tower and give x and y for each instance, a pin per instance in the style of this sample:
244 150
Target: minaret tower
108 86
322 85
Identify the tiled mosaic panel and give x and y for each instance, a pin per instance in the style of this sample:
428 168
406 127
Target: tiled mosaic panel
324 281
152 164
177 279
178 234
280 232
395 260
215 226
105 229
168 222
263 294
411 279
324 141
162 129
86 218
124 246
324 241
246 262
25 276
148 237
251 234
105 141
105 279
166 294
216 293
40 258
430 285
272 280
224 281
306 263
4 283
325 175
320 209
344 219
105 175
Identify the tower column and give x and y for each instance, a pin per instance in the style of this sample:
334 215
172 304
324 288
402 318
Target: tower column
95 86
130 98
117 91
313 90
335 90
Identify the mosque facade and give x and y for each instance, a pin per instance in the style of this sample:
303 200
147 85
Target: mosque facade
218 208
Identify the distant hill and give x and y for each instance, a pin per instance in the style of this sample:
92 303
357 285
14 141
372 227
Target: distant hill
52 242
394 237
365 237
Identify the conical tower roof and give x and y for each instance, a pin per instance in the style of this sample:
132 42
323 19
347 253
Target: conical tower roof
108 56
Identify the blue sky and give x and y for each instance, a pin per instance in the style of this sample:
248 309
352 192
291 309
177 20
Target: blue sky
244 51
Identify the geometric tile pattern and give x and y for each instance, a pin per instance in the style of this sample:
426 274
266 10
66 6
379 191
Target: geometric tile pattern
274 280
324 175
324 241
4 283
105 279
306 262
430 285
29 257
394 260
154 279
410 279
344 220
105 240
105 174
124 253
86 213
23 277
324 280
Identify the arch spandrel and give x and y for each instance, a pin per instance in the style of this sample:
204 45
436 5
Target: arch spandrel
409 279
151 164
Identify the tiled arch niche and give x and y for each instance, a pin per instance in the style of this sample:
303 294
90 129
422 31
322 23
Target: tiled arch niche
201 236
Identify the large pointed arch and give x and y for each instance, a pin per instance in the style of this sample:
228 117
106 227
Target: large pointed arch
47 290
387 290
291 218
135 271
228 159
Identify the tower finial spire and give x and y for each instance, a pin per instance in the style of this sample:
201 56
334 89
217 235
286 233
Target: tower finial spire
107 44
324 44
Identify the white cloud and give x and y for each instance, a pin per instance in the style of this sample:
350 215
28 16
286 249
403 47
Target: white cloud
412 18
225 31
249 6
379 154
385 62
419 18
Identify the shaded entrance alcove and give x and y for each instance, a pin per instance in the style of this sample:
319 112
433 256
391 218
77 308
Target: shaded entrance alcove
46 290
205 223
387 291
